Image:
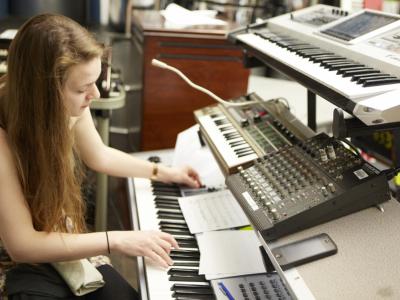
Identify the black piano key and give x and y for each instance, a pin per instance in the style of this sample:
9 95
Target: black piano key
174 271
300 47
176 257
194 253
306 53
175 231
171 201
174 226
185 239
345 69
248 150
192 289
191 296
221 121
163 184
187 264
213 116
226 128
356 77
362 71
194 297
188 285
332 63
167 206
339 67
169 216
237 143
381 81
187 277
361 80
166 193
318 59
188 245
245 154
321 54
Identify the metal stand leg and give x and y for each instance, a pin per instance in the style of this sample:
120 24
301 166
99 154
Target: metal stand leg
311 110
103 124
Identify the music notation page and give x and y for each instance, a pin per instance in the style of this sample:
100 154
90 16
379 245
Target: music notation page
212 211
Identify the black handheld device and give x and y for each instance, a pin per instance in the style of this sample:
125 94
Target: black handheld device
304 251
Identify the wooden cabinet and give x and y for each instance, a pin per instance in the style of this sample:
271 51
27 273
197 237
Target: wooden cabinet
203 54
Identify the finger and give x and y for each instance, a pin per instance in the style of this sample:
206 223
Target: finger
165 245
195 176
163 255
156 258
170 239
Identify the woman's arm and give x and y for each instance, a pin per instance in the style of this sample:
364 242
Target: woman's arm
25 244
117 163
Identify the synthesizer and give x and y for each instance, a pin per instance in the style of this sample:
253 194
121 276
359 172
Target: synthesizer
349 59
238 135
303 185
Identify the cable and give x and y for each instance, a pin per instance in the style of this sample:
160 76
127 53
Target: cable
163 65
390 173
352 147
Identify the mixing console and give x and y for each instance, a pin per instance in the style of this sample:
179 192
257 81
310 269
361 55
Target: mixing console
306 184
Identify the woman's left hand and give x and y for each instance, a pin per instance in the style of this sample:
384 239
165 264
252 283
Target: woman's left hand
185 175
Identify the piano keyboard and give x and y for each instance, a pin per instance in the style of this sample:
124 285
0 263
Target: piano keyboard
347 77
226 138
238 135
158 209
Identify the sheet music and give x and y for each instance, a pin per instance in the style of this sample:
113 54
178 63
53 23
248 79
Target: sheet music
188 151
227 253
212 211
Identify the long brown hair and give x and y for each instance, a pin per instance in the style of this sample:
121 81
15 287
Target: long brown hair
35 118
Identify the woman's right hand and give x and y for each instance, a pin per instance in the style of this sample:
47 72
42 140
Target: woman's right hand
153 244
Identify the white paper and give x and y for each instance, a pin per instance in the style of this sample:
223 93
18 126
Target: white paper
229 253
181 17
188 151
212 211
8 34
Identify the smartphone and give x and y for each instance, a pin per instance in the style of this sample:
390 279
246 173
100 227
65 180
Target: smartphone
304 251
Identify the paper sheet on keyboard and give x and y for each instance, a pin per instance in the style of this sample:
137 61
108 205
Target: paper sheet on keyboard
188 151
212 211
229 253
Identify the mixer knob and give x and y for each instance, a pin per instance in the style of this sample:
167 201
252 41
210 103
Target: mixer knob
322 155
275 214
324 191
331 187
331 152
259 194
240 168
263 198
269 206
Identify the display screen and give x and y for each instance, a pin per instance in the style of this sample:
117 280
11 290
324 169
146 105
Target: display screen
359 25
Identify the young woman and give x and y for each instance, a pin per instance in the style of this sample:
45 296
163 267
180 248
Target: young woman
46 134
